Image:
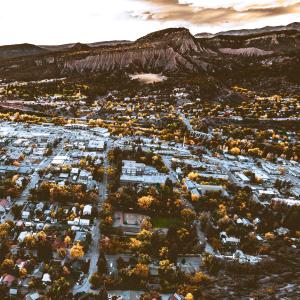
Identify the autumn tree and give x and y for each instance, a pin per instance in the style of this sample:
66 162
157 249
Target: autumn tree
145 202
76 251
59 289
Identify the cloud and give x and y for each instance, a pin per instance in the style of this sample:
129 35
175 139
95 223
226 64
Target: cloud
212 12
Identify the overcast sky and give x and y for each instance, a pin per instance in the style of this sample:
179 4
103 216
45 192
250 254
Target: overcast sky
65 21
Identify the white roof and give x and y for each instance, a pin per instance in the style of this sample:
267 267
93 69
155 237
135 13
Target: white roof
22 236
84 222
46 278
87 210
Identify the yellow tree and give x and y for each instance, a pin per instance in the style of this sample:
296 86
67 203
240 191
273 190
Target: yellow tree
140 270
188 214
135 244
67 240
189 296
76 251
235 151
22 272
193 175
41 236
145 202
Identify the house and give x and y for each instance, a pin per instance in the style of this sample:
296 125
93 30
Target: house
144 179
59 160
19 181
176 297
84 222
206 188
132 168
245 259
87 210
271 169
46 278
39 206
4 205
96 145
228 240
80 236
8 279
32 296
22 236
129 223
285 201
243 177
13 292
74 171
84 175
63 176
25 215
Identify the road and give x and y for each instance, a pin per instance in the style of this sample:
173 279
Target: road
168 163
186 121
202 239
23 198
94 252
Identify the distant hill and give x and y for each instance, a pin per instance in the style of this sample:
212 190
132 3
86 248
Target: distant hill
12 51
65 47
243 32
263 55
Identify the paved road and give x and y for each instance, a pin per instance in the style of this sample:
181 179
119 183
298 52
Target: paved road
168 163
201 237
186 121
93 253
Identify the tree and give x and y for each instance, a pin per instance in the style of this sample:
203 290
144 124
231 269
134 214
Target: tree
188 214
4 249
150 296
193 175
41 236
16 211
96 280
67 240
145 202
7 265
173 253
22 272
102 264
135 244
62 252
103 295
59 289
44 250
140 271
76 251
235 151
189 296
146 224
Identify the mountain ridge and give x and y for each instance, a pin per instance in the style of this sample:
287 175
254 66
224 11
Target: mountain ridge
242 32
170 50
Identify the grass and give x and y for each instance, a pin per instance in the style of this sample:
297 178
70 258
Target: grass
162 222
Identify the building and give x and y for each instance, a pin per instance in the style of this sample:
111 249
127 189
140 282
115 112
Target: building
133 168
96 145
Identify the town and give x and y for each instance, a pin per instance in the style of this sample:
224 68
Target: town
139 197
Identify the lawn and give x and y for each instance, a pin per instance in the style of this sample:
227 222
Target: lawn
161 222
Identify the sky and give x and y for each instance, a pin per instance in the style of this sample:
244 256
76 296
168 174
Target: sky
50 22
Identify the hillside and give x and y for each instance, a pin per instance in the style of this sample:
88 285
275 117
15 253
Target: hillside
259 59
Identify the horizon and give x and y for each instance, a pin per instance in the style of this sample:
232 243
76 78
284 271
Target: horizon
44 24
125 40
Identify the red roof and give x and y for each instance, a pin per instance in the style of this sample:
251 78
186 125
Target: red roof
9 278
3 202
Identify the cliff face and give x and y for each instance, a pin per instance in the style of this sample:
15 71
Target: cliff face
256 44
164 51
167 51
